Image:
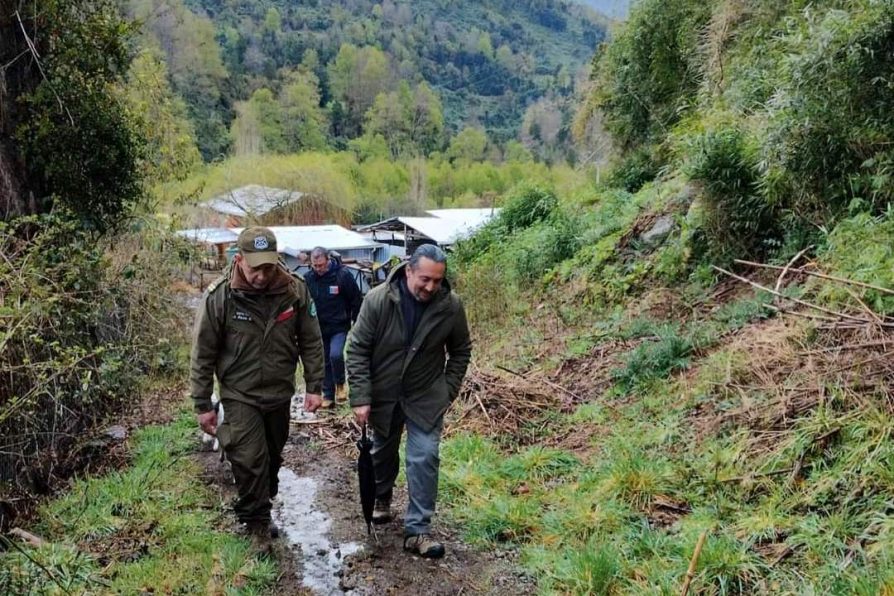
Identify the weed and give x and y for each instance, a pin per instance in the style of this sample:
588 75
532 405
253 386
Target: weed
655 360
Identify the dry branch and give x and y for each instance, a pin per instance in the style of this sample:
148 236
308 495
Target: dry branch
840 315
690 573
506 404
819 275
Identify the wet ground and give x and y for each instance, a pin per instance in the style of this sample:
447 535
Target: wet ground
325 548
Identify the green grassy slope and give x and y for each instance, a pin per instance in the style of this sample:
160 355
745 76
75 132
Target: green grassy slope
663 399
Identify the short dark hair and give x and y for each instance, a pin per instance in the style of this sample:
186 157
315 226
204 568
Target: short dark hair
319 251
429 251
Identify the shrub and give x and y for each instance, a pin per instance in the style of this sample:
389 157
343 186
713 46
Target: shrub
635 170
646 78
82 324
829 136
527 205
738 221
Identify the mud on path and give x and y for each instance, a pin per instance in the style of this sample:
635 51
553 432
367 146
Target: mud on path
377 567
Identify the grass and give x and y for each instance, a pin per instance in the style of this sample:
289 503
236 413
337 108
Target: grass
151 526
590 523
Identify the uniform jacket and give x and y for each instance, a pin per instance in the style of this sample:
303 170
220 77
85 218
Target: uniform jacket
337 298
424 377
252 343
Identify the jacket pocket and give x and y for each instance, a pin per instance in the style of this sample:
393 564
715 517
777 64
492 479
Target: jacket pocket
234 346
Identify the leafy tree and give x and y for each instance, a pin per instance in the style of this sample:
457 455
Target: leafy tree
79 145
259 126
304 123
515 151
194 61
410 121
171 151
370 146
469 145
356 77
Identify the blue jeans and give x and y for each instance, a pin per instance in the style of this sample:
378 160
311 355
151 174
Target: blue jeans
334 352
423 461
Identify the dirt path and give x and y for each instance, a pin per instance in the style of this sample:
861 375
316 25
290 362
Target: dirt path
377 568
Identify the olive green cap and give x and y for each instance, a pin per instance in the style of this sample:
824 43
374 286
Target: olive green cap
257 246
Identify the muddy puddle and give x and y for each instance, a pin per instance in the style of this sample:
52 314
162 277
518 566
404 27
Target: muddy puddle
306 531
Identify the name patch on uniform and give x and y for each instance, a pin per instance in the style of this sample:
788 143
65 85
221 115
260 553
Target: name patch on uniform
241 316
333 290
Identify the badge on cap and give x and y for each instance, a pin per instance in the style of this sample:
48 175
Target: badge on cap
261 243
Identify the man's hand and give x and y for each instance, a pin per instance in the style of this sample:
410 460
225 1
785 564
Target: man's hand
208 422
312 402
361 414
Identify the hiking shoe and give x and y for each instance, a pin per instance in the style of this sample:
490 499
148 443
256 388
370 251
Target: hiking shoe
328 404
381 512
341 393
424 546
274 530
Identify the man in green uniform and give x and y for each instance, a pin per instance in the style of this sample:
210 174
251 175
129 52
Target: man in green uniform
406 358
254 324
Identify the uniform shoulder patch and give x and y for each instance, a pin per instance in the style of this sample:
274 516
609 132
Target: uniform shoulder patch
216 284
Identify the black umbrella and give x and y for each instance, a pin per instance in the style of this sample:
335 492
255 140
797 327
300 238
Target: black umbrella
366 476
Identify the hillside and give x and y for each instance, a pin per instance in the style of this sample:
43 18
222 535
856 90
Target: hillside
701 348
487 61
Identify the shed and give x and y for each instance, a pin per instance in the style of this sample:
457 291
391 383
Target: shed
445 227
215 241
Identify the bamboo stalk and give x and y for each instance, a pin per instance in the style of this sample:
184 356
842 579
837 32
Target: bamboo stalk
840 315
817 274
690 573
788 266
869 344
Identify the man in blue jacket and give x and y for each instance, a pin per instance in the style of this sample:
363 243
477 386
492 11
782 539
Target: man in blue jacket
337 298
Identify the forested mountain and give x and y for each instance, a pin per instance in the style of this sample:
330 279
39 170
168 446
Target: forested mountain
313 70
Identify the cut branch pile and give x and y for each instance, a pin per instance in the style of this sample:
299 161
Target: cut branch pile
850 355
493 404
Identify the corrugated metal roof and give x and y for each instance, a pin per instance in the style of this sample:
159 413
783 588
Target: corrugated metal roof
210 235
293 239
449 225
252 200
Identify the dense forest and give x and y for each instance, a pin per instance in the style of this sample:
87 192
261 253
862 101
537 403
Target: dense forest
280 77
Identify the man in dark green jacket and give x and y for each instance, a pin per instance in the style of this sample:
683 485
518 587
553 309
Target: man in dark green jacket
251 329
406 358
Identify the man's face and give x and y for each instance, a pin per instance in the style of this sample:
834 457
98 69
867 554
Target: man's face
425 279
319 264
257 277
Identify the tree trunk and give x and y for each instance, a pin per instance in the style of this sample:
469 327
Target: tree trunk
18 74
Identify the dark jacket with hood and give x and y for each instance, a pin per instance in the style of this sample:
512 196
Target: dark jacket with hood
337 298
424 376
252 341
